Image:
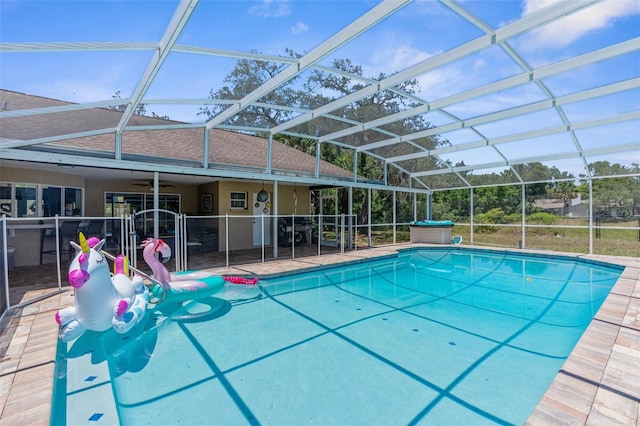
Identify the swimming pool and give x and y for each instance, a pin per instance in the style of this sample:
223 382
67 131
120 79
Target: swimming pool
429 336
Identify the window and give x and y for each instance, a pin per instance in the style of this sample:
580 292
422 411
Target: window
26 201
238 200
60 200
123 204
52 202
6 199
73 199
37 200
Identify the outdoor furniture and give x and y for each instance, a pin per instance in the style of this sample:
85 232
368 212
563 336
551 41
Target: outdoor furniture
200 239
94 229
68 232
298 233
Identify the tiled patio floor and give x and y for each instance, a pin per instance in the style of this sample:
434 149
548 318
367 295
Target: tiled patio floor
598 385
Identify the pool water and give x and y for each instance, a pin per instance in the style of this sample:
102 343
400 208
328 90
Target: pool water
442 336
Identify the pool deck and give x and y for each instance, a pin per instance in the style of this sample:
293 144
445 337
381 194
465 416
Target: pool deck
598 384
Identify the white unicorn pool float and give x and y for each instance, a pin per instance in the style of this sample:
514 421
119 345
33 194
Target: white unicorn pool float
102 300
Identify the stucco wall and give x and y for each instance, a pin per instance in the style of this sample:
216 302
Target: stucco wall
241 236
35 176
241 230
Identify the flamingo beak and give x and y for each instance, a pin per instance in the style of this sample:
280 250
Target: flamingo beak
163 250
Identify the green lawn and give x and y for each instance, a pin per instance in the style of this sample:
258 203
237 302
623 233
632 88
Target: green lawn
562 237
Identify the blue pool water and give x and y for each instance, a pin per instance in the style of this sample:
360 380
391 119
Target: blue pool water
430 336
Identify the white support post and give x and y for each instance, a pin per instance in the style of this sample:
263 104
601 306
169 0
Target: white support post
58 252
590 215
274 215
524 217
369 216
156 205
342 233
350 212
262 235
226 237
394 215
293 236
5 253
471 216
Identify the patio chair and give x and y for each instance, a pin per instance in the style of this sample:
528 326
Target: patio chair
200 239
94 229
68 232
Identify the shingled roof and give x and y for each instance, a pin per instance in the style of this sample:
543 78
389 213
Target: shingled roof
226 148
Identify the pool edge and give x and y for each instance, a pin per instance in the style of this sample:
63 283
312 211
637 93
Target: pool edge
588 388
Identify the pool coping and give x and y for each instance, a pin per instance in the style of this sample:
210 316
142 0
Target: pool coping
598 384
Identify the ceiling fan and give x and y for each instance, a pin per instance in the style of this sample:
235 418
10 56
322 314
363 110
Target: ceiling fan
149 184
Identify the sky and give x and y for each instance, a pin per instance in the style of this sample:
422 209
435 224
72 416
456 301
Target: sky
421 30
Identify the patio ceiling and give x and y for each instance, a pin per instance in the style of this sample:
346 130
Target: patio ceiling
565 110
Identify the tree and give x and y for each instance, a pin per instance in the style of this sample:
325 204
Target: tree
318 89
247 76
141 109
617 196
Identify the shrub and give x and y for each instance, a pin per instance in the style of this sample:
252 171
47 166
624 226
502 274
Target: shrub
542 218
492 216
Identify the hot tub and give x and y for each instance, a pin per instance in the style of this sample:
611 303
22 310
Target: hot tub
431 231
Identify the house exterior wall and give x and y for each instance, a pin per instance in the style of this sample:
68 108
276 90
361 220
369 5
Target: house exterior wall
190 196
242 229
11 174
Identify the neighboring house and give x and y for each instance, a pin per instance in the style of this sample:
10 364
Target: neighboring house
32 188
571 208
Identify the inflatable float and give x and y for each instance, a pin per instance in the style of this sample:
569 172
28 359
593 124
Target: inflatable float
182 286
102 300
106 301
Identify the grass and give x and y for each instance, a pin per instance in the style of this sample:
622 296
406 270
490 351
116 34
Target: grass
561 237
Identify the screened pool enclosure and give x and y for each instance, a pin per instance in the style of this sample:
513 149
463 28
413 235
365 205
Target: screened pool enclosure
520 123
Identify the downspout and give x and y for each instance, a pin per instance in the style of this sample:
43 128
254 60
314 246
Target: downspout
318 160
355 166
118 147
205 150
270 154
384 170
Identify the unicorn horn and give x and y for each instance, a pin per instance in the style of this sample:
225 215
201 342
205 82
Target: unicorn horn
83 243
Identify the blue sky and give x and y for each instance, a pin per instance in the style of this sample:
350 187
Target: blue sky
421 30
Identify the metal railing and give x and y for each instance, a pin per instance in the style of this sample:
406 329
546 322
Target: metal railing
201 242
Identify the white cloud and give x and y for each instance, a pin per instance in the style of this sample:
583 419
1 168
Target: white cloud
566 30
299 27
271 8
391 58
